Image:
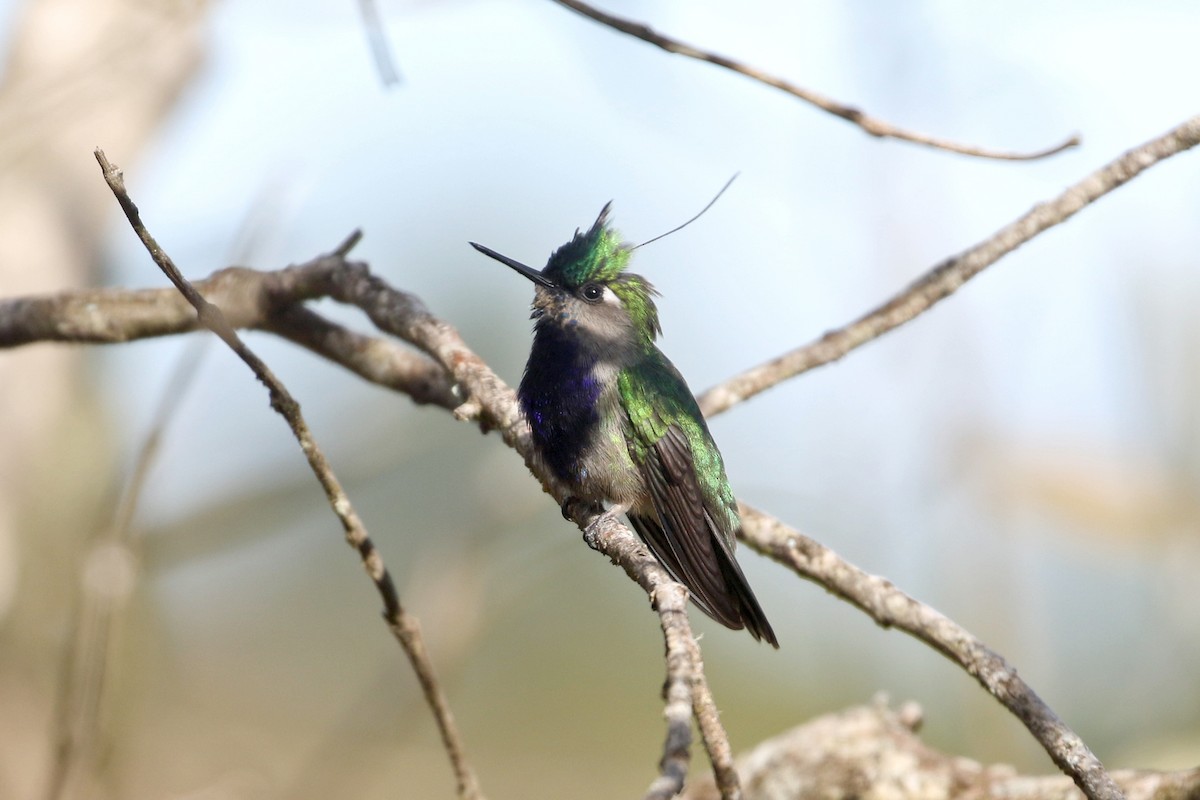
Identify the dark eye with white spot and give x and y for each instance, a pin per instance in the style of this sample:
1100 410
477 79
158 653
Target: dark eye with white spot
592 292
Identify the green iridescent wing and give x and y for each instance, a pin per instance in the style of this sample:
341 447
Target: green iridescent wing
691 529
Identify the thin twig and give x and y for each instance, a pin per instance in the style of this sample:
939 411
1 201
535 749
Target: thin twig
110 570
890 607
872 125
712 732
404 626
945 278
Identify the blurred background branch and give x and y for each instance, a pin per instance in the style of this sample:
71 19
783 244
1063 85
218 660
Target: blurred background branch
876 750
869 124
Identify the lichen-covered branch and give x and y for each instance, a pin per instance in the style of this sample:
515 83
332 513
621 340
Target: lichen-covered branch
874 751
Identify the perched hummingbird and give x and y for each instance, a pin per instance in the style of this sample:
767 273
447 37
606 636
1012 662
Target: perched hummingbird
613 420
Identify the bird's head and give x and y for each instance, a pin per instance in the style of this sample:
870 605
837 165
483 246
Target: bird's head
584 287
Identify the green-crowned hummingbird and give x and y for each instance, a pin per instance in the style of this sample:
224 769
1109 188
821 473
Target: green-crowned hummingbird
613 420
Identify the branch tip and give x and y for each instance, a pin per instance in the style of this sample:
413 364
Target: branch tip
349 243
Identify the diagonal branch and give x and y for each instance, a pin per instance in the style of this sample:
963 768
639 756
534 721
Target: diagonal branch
872 125
890 607
491 402
945 278
405 627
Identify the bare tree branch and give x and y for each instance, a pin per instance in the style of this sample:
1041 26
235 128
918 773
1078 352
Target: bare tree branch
671 602
404 626
377 360
268 301
716 742
945 278
873 751
890 607
872 125
458 380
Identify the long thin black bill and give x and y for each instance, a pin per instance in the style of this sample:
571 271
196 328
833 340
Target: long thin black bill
529 272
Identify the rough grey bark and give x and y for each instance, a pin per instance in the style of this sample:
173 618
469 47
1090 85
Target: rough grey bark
875 752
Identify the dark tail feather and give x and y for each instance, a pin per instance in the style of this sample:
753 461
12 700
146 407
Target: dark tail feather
725 596
748 609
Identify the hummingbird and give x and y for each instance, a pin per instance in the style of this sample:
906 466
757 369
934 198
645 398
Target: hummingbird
614 422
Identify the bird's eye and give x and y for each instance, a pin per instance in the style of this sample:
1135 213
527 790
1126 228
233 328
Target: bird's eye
592 292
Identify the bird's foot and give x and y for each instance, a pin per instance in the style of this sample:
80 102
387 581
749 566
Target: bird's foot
577 505
591 534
